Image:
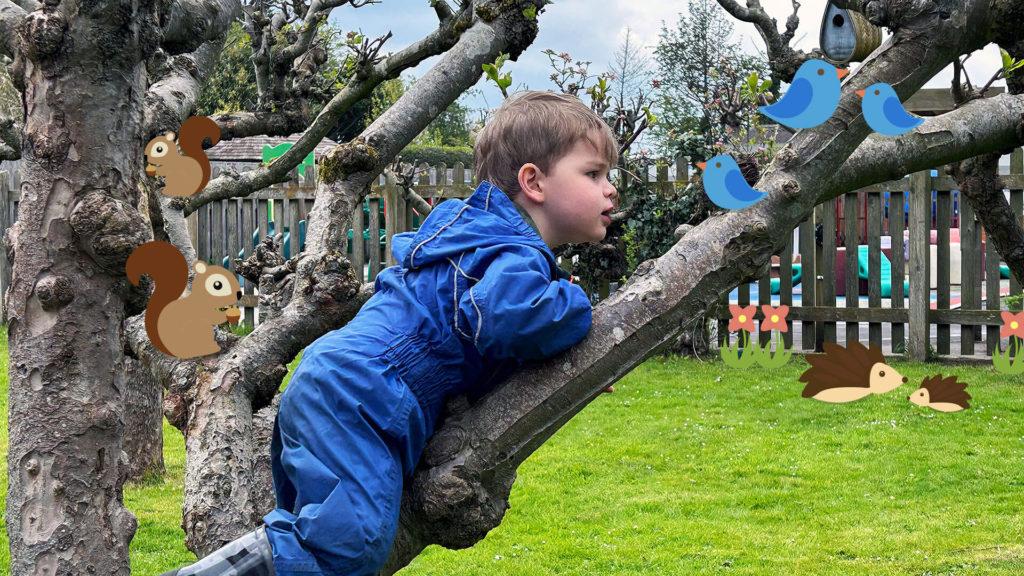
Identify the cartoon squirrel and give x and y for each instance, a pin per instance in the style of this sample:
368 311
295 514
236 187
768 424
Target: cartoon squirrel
186 174
942 394
183 327
848 374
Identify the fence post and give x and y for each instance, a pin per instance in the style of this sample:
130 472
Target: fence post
920 285
392 217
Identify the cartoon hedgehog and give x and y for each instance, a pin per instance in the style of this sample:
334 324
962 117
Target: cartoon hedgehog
848 374
942 394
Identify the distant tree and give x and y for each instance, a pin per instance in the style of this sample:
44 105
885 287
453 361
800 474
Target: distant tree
699 69
629 70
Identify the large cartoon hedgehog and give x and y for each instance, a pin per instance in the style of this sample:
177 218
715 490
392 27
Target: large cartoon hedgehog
848 374
942 394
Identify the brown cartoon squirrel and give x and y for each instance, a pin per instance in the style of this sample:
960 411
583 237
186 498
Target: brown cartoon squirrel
848 374
182 326
187 171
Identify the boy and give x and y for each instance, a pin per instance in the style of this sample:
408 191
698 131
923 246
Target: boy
477 292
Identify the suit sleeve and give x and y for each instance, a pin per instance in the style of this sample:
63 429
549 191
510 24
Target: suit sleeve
516 311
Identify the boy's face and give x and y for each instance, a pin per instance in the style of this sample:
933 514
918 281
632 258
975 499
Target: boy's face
578 197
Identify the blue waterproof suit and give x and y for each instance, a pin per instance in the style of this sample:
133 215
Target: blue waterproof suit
477 293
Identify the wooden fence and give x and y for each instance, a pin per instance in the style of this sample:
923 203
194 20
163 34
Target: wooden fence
866 218
861 221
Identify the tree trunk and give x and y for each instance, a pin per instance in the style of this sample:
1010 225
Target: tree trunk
77 224
144 421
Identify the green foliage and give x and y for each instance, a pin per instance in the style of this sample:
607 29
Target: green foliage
231 86
451 128
1010 64
702 75
10 100
434 155
654 216
493 72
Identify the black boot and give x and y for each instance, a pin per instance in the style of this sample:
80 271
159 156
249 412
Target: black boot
249 555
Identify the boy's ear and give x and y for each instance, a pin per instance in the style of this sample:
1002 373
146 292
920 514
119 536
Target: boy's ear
530 177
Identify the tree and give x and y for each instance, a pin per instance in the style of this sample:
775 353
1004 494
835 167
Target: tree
699 68
69 296
630 69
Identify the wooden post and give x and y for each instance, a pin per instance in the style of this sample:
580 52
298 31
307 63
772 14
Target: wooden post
1016 203
358 246
874 242
786 287
826 296
942 221
991 293
373 239
852 287
970 274
808 275
392 216
896 227
920 220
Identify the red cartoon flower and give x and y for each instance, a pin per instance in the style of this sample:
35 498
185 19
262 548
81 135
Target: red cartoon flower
1013 324
742 318
774 318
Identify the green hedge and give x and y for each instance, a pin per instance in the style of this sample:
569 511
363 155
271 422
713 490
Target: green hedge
434 155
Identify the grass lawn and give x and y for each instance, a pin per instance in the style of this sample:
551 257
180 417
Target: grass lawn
693 468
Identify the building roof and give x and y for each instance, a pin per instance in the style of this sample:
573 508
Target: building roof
250 149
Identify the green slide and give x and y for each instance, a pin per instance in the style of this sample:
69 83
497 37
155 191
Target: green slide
797 274
862 271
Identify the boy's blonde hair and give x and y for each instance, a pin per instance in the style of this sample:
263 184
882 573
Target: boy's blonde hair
537 127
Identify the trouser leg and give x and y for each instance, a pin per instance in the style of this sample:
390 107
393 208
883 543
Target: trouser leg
338 485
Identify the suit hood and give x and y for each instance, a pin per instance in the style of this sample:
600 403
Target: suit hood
487 218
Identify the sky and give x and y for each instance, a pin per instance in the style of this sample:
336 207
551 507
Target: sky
592 31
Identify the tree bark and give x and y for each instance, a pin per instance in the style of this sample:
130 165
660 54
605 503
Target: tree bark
144 419
84 79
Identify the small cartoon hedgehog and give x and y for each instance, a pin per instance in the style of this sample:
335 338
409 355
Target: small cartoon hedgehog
942 394
847 374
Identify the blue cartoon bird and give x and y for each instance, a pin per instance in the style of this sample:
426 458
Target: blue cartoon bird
725 185
812 97
884 112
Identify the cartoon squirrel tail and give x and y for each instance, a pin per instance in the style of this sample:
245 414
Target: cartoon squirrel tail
164 264
193 131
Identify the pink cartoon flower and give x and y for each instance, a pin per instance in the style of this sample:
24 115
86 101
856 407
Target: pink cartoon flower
774 318
1013 324
742 318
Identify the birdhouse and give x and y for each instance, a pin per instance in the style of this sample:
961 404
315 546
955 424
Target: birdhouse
847 36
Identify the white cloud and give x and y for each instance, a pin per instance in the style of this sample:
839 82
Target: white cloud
592 31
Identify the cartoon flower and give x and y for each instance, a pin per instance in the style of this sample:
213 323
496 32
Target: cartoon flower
774 318
742 318
1013 324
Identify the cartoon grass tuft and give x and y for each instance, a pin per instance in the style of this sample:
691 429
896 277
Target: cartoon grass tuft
734 359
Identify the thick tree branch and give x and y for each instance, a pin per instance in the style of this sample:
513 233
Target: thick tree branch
230 186
191 23
783 59
172 98
982 126
11 16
